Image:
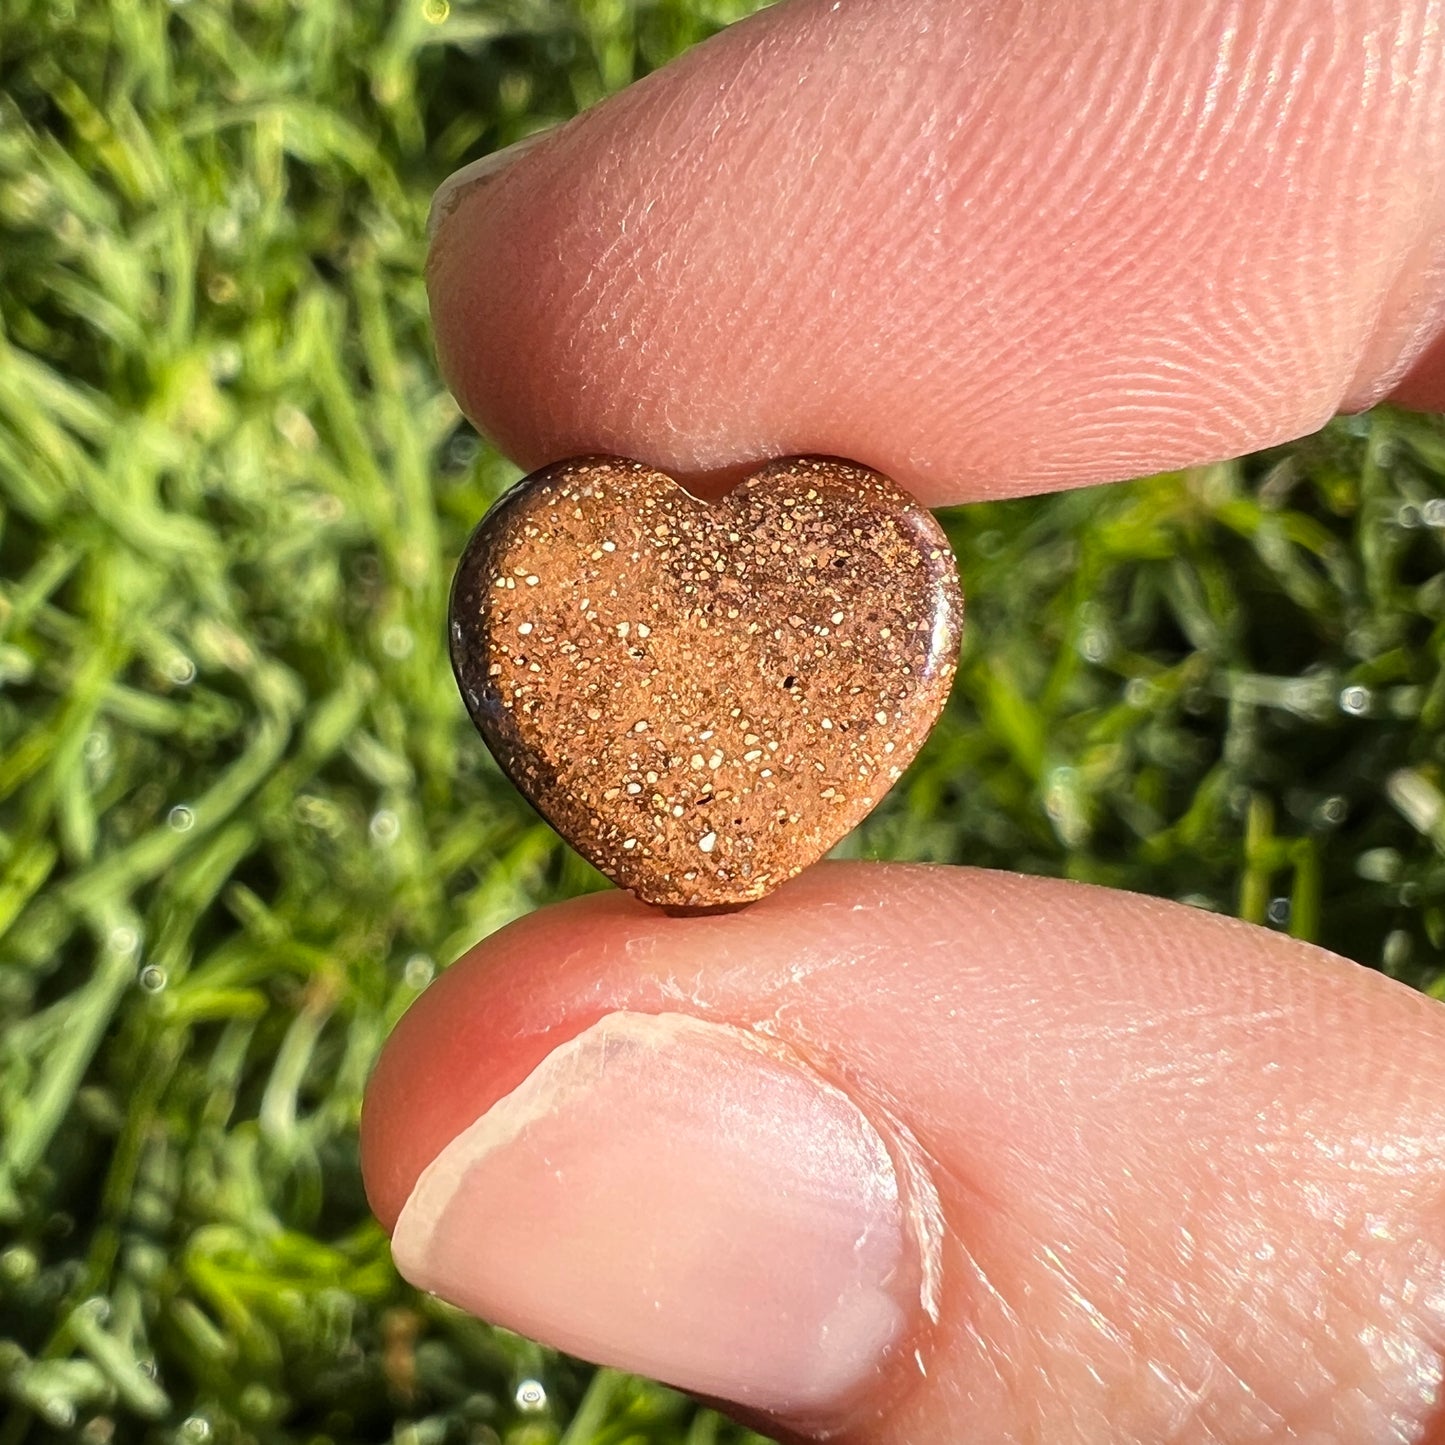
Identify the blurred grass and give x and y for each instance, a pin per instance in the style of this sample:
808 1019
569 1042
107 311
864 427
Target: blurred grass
243 819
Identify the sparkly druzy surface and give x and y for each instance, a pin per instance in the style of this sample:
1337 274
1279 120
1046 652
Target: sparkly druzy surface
704 697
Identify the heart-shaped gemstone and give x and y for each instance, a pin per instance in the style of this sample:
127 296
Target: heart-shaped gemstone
703 698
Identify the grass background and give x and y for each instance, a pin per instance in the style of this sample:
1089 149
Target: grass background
243 819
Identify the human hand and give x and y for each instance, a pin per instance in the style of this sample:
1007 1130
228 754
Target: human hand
925 1155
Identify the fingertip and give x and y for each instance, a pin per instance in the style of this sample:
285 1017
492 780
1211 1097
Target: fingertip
1051 258
1113 1100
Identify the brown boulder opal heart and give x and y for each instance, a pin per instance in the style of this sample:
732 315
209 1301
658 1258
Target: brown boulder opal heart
703 698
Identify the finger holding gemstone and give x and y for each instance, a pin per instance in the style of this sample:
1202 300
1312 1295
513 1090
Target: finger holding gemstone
704 697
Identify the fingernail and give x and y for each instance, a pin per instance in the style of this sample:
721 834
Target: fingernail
476 173
674 1198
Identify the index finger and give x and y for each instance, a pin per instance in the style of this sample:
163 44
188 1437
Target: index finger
981 253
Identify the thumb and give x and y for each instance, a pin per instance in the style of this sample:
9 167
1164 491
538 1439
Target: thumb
932 1156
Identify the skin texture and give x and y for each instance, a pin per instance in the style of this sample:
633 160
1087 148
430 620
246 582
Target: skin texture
1176 1205
1423 389
1190 1173
1135 237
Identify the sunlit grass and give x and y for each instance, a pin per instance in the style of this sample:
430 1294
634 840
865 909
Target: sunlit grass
243 819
